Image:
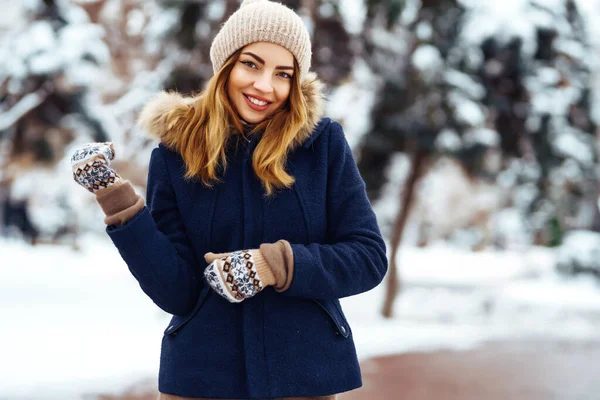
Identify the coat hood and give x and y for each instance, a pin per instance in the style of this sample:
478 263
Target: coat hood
166 110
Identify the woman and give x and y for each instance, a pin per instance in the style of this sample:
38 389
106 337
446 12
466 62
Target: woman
256 222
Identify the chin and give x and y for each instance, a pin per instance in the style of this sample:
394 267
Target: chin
251 120
254 119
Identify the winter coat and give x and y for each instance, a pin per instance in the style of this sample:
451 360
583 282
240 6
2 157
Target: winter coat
289 344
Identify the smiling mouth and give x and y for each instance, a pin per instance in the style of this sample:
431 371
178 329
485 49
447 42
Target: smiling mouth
256 104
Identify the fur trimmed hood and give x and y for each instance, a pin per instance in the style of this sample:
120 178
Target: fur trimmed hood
168 109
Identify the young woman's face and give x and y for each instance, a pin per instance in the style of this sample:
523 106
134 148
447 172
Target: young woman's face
260 81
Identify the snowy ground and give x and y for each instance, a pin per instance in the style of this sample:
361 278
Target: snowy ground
76 323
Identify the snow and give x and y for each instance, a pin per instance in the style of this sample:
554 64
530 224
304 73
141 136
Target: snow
351 103
428 60
579 295
353 13
41 38
390 40
571 143
44 64
410 11
167 20
548 76
437 266
571 48
424 31
569 170
77 42
580 249
525 194
467 112
520 18
552 101
511 228
472 298
26 104
59 203
506 18
484 136
72 13
135 22
78 49
448 140
464 82
10 17
215 10
78 323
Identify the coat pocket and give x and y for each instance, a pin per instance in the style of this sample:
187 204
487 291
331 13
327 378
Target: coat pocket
334 310
180 320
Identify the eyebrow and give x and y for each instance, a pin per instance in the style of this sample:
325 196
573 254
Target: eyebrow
260 60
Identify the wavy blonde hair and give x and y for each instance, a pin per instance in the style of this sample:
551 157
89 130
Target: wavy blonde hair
201 132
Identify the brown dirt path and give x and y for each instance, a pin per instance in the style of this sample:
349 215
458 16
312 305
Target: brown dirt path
496 371
546 370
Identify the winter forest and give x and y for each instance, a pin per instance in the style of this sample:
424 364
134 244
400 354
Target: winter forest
474 124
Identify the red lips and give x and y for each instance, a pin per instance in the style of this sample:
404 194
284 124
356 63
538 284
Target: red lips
258 97
254 106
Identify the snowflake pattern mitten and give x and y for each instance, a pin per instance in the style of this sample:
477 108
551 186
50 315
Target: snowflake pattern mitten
91 166
238 275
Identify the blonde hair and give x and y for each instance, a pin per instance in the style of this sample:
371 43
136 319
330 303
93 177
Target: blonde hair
201 132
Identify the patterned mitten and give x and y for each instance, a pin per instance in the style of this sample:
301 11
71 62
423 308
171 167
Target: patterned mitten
90 165
239 275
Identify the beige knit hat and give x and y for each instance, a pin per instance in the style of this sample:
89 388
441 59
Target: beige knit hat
262 21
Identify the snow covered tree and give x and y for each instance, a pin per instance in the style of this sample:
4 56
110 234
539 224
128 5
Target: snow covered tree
451 87
333 55
74 71
540 89
48 66
413 46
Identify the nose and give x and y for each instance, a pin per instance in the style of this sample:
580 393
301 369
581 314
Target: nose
263 83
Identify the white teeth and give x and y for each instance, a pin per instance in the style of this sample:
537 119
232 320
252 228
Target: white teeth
257 102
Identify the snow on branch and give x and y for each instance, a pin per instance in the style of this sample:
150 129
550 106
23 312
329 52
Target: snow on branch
23 106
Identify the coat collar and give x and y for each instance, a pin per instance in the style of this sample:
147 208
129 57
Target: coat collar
167 109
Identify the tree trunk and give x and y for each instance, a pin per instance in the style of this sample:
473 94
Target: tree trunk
407 196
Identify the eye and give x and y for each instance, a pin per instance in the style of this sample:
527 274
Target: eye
285 75
249 64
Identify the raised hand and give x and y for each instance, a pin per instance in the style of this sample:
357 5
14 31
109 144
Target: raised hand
91 166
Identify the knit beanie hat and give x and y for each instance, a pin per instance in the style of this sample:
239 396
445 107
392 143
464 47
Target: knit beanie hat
262 21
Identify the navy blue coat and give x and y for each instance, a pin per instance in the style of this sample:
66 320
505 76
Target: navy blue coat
289 344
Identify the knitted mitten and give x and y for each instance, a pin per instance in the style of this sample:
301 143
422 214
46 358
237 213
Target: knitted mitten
90 165
239 275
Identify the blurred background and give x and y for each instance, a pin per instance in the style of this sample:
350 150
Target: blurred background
474 124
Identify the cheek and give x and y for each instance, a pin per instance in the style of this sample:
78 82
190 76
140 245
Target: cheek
236 79
283 93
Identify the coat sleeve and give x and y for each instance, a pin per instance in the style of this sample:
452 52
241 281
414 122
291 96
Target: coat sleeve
155 247
354 258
